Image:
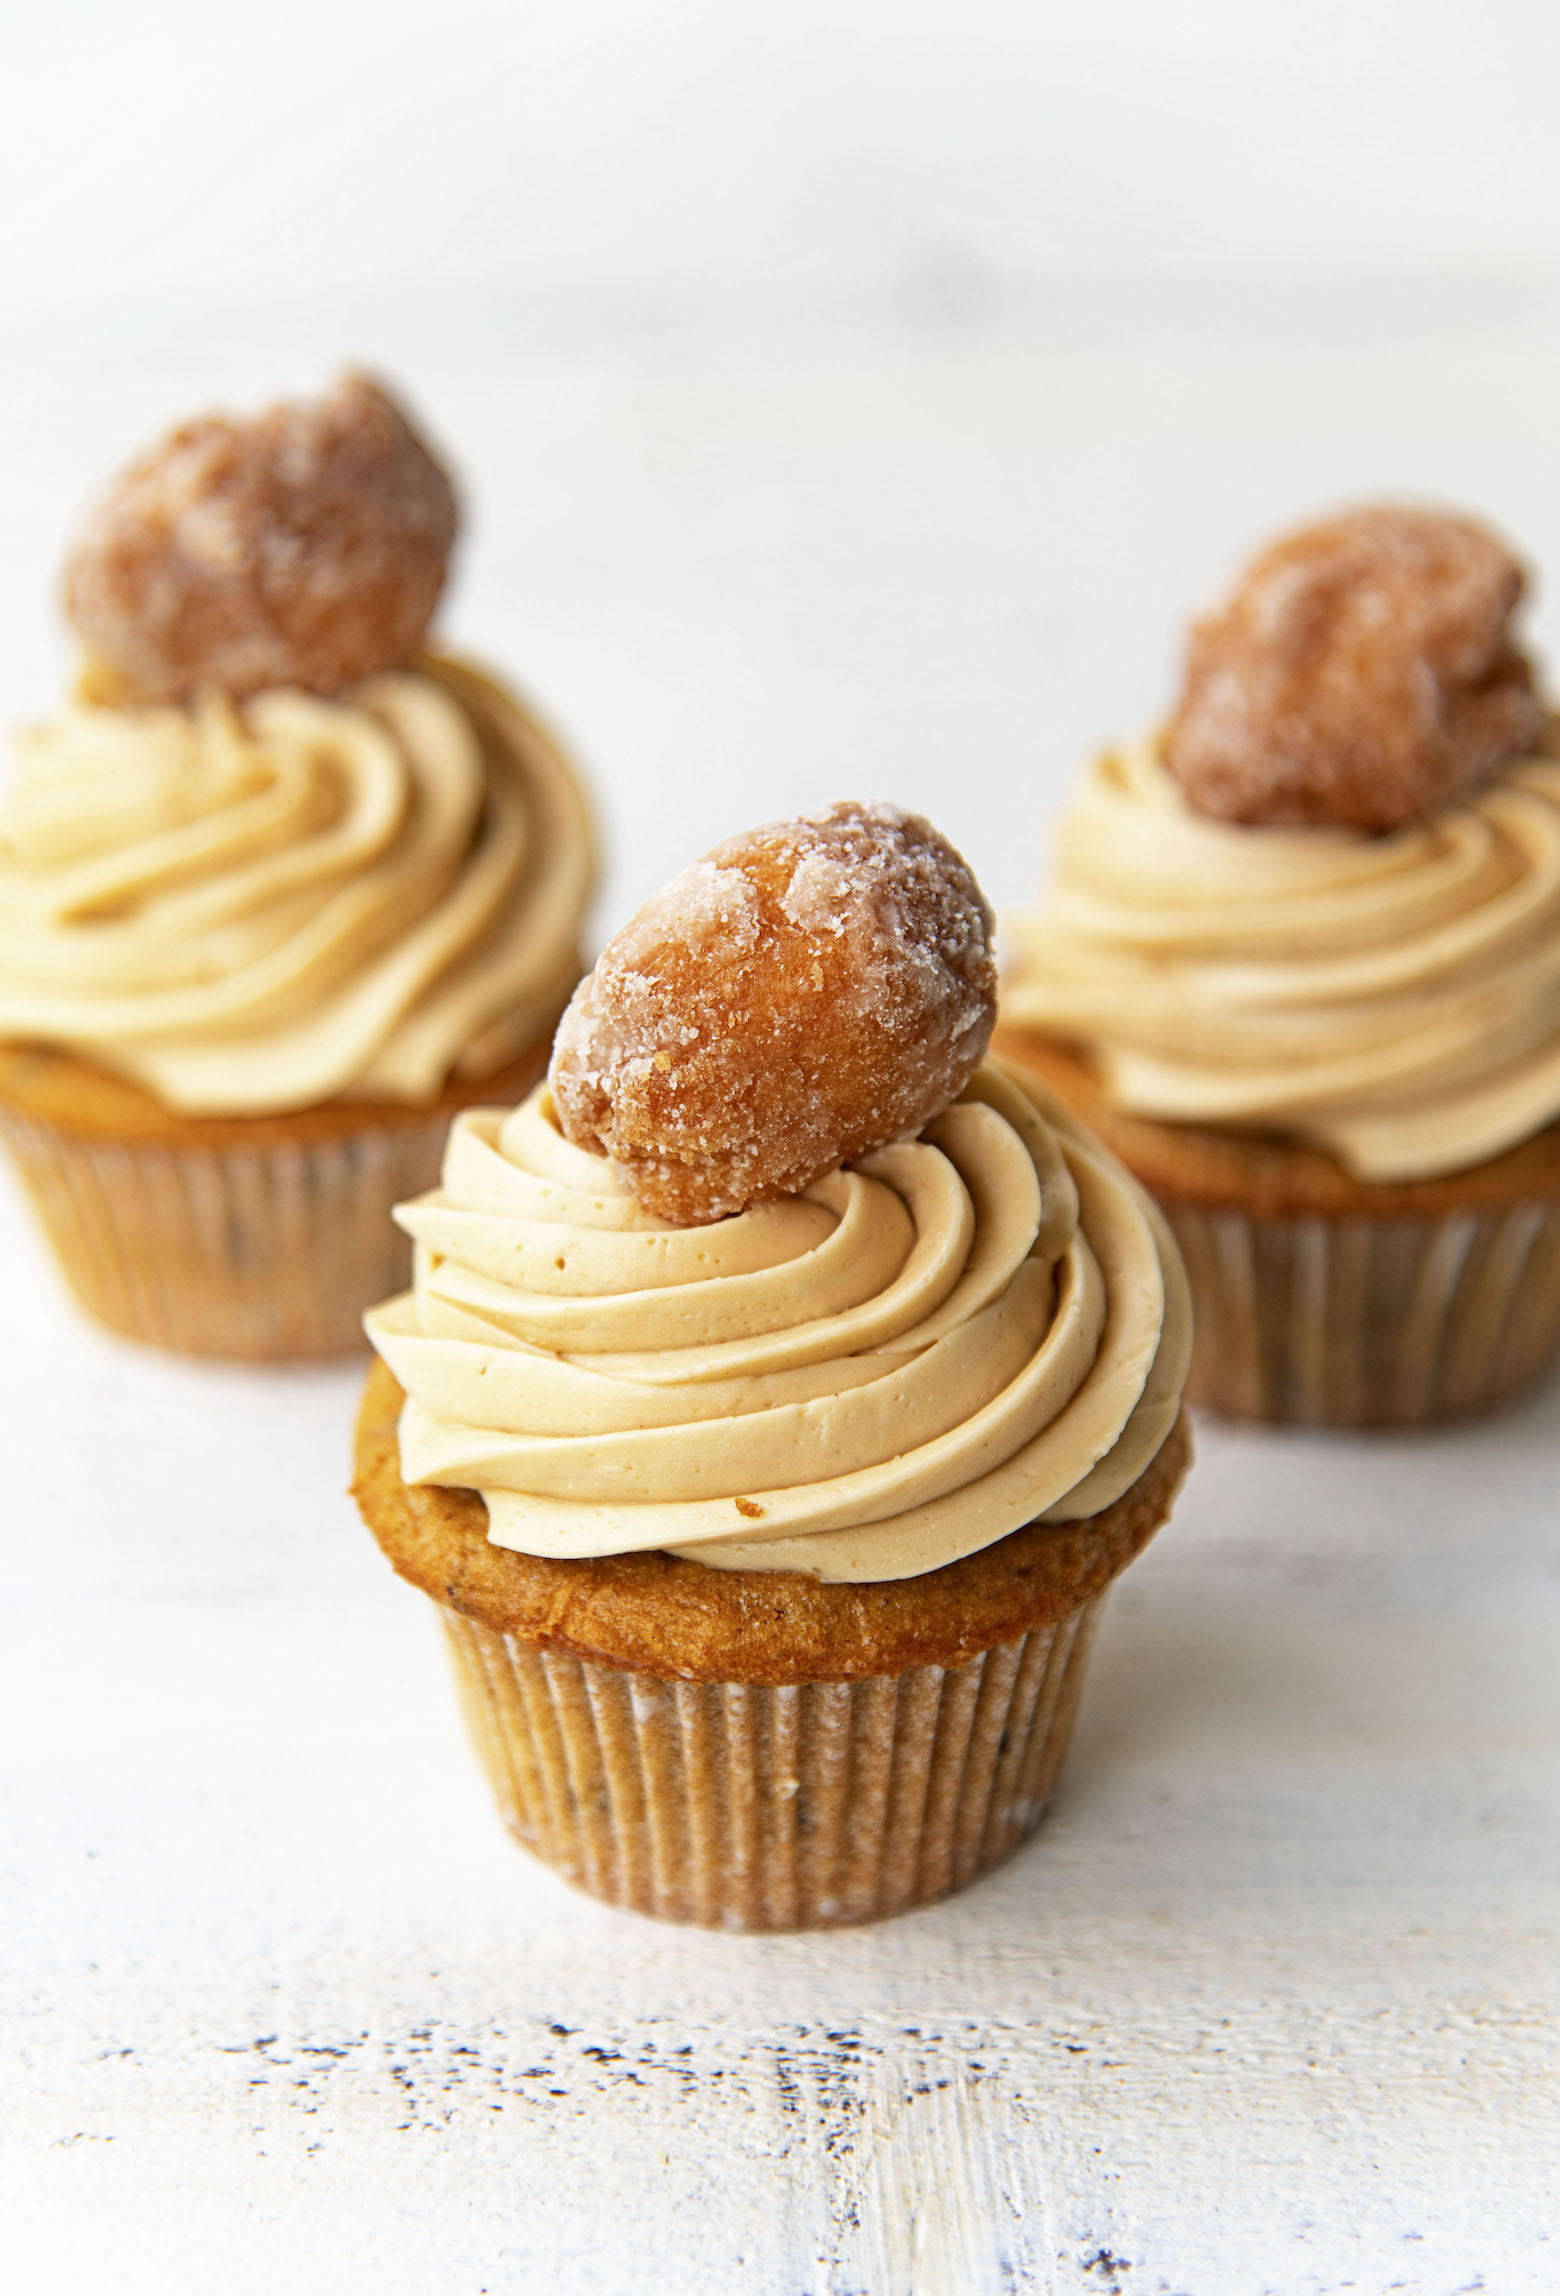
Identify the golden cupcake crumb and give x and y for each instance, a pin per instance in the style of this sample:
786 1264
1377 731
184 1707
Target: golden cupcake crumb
674 1618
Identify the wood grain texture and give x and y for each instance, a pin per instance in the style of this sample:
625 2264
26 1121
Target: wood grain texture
1269 2003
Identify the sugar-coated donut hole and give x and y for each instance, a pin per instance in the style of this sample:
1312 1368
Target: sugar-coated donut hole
304 547
805 993
1363 673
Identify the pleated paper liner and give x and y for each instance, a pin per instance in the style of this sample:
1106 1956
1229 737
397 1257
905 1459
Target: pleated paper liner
259 1240
1327 1300
745 1806
754 1750
1369 1323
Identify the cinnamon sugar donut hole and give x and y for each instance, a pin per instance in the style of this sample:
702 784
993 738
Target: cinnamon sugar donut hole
802 995
306 546
1362 674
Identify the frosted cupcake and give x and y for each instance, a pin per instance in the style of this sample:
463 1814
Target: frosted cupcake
1300 965
280 889
781 1388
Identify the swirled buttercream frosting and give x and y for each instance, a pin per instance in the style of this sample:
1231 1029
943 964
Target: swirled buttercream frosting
920 1353
258 906
1394 999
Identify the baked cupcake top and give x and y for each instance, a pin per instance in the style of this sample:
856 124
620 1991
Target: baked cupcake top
1326 900
902 1305
273 852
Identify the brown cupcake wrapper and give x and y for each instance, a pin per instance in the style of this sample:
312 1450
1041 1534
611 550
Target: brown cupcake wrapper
1369 1322
746 1807
259 1251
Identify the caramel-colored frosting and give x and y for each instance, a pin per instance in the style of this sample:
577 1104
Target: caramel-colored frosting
262 906
920 1353
1394 999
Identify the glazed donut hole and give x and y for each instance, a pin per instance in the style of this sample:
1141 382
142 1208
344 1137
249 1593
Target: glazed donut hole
305 546
805 993
1363 674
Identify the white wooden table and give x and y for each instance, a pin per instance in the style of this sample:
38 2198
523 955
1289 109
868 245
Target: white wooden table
1270 2004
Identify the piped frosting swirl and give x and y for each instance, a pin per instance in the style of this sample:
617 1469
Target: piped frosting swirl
916 1356
262 906
1394 999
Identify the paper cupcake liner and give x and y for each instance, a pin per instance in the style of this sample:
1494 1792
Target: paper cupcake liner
261 1252
754 1808
1360 1322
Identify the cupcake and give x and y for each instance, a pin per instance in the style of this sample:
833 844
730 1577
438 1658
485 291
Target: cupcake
280 888
781 1387
1300 967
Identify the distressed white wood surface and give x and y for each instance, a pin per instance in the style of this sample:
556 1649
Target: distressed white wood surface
1270 2004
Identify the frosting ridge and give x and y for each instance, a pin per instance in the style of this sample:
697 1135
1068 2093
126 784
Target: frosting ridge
1394 999
261 906
922 1352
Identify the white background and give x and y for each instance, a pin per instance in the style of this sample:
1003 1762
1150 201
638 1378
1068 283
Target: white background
849 399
